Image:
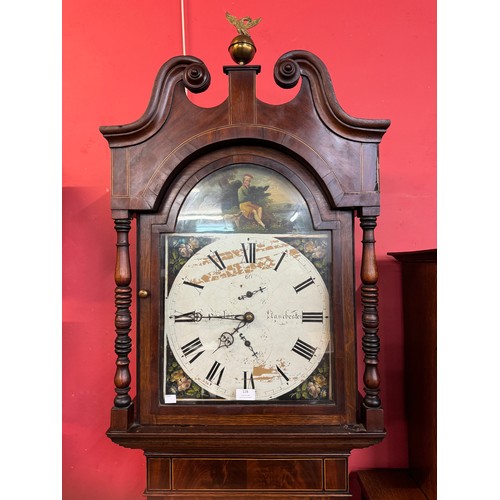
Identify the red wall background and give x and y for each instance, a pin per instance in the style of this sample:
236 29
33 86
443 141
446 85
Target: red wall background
382 60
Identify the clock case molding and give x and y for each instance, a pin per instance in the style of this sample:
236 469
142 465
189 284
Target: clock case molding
332 159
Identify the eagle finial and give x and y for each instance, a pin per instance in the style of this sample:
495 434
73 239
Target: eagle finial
244 24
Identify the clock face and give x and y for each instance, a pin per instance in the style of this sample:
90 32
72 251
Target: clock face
247 311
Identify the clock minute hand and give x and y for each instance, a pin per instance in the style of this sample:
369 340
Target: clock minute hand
248 317
195 317
248 344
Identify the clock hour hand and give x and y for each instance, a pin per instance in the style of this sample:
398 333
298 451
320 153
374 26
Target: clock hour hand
195 317
227 338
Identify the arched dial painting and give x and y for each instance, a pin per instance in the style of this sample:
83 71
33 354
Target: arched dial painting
248 294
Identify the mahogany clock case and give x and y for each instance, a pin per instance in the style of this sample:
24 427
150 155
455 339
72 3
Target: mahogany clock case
331 160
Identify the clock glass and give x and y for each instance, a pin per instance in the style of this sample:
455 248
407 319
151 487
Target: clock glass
247 282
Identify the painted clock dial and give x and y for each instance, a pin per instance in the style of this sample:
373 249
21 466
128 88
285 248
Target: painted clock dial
248 311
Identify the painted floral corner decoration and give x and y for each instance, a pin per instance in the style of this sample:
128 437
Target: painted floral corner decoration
180 250
178 383
317 251
316 385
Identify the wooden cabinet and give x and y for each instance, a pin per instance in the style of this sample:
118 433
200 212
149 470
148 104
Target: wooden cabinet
419 282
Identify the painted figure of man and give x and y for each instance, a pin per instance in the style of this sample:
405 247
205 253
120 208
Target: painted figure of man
249 209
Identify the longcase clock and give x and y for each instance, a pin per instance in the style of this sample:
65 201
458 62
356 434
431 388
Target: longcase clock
245 288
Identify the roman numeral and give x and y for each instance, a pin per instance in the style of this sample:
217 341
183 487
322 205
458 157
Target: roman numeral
312 317
280 261
304 349
248 381
192 347
304 284
219 263
250 254
195 285
282 373
213 372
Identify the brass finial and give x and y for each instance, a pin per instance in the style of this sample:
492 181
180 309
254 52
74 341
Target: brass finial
242 48
244 24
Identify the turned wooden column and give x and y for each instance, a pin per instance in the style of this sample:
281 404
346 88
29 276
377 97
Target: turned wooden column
370 323
123 318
